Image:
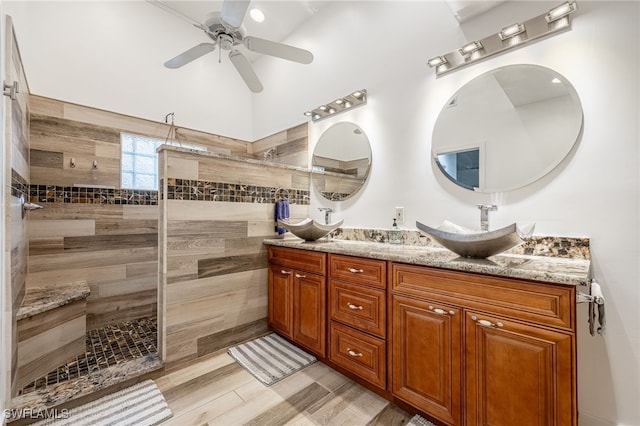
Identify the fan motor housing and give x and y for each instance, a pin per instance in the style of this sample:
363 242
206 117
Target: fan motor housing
218 32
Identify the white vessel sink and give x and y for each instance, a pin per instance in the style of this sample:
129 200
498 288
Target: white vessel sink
309 229
477 244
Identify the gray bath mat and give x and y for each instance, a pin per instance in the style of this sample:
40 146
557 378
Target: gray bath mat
270 358
139 405
418 420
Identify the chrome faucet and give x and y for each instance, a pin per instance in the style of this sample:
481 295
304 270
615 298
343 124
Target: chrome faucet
484 214
327 213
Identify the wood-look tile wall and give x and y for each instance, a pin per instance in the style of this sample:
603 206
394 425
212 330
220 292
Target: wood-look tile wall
107 237
16 171
212 260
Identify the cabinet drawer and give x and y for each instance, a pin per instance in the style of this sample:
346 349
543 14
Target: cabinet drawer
303 260
358 270
541 303
358 306
359 353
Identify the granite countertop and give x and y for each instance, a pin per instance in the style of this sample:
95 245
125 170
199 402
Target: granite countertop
41 299
548 269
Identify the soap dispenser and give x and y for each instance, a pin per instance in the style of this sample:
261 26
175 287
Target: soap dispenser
395 234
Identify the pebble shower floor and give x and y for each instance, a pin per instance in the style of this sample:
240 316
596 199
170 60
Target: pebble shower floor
106 347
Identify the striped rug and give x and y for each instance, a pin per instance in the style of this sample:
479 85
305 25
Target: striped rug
418 420
270 358
139 405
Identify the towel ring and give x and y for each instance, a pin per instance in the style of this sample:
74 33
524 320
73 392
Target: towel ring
281 190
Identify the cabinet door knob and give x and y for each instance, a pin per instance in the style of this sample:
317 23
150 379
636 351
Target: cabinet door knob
355 271
283 272
487 323
354 307
441 311
353 353
300 276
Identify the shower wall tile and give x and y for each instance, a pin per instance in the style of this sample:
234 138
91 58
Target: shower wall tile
216 265
289 146
109 237
16 144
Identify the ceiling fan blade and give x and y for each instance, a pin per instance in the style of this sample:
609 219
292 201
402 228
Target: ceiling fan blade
190 55
233 12
279 50
246 72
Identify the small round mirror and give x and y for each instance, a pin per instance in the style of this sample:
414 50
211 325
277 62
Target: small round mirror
507 128
341 161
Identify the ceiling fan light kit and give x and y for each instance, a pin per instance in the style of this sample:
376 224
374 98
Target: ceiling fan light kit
224 29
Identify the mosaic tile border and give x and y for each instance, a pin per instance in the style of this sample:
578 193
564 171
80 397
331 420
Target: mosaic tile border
199 190
336 196
19 185
90 195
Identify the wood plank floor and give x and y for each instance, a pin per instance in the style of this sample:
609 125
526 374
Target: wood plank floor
218 391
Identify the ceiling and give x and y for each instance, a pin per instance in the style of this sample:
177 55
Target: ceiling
281 17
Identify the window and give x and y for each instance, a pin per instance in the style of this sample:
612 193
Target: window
139 160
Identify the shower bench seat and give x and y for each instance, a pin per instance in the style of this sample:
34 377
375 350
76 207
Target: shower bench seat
51 328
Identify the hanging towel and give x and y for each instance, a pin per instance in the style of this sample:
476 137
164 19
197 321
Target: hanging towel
596 308
598 300
281 212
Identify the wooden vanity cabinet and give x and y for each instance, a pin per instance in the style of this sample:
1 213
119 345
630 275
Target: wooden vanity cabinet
517 373
427 356
358 321
479 350
297 305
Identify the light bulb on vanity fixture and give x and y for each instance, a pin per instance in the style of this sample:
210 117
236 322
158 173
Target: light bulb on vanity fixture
551 22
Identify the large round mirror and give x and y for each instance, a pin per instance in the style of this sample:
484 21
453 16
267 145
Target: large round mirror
341 161
507 128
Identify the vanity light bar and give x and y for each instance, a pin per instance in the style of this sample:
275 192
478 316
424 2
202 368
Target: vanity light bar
555 21
352 100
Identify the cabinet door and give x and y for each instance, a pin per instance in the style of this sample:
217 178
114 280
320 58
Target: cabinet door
310 311
426 351
517 374
280 312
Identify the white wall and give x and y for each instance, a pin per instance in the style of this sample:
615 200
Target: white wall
383 46
110 55
594 192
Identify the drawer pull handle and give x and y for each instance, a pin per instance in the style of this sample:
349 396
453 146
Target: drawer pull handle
355 271
487 323
441 311
354 307
300 276
283 272
353 353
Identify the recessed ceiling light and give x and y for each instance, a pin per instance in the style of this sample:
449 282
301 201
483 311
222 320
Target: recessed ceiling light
256 14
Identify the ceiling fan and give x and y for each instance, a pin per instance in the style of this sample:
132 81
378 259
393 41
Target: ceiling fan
224 29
